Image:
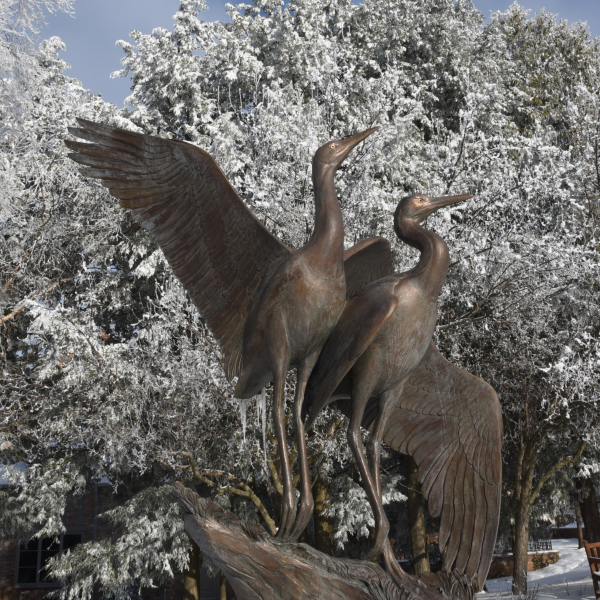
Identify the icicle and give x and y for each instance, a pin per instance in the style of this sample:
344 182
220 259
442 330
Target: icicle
243 409
261 411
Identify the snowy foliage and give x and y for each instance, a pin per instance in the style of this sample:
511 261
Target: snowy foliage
350 508
107 366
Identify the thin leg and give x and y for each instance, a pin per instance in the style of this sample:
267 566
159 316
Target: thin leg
385 407
361 392
384 410
382 525
403 579
307 503
288 505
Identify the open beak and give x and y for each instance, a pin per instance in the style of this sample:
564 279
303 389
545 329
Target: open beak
349 143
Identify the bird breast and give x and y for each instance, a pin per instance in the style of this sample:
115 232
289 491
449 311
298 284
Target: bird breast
405 338
315 304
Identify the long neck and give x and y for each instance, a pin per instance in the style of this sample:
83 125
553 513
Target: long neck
326 244
433 263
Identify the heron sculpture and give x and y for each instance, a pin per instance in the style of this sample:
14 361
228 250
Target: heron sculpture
381 363
270 308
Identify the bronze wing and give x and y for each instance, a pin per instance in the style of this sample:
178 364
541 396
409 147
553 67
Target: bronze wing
217 248
362 318
450 422
365 262
368 307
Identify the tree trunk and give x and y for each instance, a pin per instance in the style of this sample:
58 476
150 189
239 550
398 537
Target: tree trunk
323 523
522 501
520 547
223 586
523 497
589 509
579 527
191 577
416 518
261 567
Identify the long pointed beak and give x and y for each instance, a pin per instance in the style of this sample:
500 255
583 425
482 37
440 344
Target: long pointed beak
437 203
440 201
354 140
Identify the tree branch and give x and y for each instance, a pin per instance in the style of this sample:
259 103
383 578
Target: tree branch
557 467
245 491
21 305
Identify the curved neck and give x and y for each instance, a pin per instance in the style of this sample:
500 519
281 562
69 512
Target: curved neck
433 263
326 244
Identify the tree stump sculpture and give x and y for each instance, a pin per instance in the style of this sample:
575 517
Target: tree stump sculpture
261 567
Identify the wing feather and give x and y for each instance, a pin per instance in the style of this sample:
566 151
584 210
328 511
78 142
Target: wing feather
433 487
362 318
450 422
369 260
479 534
218 249
466 538
457 493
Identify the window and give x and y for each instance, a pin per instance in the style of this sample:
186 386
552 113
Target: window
35 554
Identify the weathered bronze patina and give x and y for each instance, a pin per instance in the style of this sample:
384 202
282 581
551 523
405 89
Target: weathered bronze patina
380 358
270 308
363 332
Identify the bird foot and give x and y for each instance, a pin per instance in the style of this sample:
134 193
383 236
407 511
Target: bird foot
371 555
401 578
302 517
380 543
288 516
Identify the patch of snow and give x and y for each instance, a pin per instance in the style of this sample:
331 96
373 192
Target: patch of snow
567 579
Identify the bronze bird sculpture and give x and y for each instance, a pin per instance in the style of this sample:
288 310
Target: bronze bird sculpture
270 308
381 363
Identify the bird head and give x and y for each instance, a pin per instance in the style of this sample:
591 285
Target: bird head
333 153
418 207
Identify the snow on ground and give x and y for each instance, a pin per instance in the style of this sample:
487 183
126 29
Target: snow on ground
567 579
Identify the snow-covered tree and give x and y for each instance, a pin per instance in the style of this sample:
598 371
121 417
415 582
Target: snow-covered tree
110 371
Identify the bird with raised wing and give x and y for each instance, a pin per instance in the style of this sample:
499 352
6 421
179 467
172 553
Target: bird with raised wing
269 308
381 364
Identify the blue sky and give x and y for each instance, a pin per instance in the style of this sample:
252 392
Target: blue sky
90 36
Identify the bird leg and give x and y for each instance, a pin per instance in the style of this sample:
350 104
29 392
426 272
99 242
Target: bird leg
307 503
288 501
401 577
382 526
384 409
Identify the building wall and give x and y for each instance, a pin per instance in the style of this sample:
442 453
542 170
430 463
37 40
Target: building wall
565 533
79 517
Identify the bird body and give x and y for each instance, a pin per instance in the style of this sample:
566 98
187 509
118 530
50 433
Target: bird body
380 361
401 343
403 340
268 307
281 320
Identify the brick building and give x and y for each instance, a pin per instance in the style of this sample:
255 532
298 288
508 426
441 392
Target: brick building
22 576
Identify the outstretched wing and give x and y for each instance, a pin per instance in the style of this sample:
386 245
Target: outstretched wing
362 318
218 249
365 262
450 422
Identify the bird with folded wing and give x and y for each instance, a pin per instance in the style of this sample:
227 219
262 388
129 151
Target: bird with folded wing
381 364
